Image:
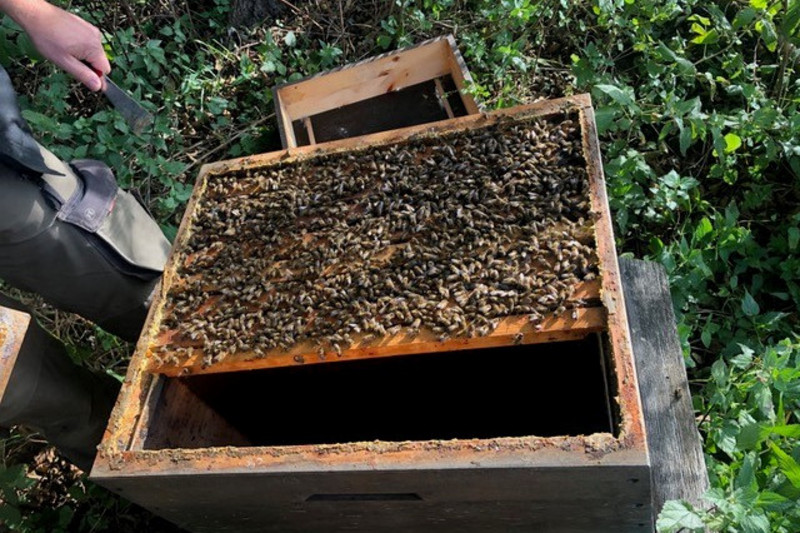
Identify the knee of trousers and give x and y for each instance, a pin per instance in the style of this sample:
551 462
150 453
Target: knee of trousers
64 264
23 210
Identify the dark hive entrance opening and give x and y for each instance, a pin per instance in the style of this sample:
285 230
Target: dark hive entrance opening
543 389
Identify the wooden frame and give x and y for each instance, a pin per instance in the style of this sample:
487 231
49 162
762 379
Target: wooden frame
582 483
515 329
358 82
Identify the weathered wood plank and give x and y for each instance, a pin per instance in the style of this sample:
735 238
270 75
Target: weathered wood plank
13 326
676 455
523 500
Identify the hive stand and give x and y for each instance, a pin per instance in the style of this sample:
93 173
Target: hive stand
677 466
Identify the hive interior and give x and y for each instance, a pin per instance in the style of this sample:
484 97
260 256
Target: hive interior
554 389
444 236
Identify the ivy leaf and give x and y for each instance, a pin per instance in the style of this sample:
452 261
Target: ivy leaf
750 436
685 139
744 17
767 30
791 20
705 337
749 305
706 37
754 523
787 465
620 96
677 515
703 228
732 142
762 396
746 478
604 118
744 359
719 371
794 238
759 4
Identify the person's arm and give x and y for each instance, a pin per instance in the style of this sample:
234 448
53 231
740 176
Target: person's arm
61 37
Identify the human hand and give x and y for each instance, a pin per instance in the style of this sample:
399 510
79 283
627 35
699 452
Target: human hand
63 38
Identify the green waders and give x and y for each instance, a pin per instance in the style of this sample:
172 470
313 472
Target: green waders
46 390
70 234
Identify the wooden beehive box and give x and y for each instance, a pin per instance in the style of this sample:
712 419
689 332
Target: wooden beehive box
321 357
407 87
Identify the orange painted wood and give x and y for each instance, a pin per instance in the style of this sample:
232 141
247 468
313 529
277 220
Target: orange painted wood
512 330
13 327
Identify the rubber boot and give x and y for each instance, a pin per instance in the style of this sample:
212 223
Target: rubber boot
69 404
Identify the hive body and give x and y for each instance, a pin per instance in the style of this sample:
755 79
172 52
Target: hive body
397 270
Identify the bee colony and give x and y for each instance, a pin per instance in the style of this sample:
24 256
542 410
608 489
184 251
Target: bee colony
444 236
469 242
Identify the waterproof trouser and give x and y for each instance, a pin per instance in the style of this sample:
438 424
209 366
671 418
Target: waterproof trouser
46 390
86 247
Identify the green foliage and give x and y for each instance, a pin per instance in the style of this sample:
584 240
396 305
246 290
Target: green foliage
697 108
210 100
752 440
82 506
13 480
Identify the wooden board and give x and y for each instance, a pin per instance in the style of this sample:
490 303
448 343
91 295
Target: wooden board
591 317
480 498
369 79
13 326
676 454
514 330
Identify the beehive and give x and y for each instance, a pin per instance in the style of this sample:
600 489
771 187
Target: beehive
324 357
415 85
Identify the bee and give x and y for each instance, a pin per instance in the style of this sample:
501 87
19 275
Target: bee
446 234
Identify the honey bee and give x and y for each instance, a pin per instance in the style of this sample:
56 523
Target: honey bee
445 234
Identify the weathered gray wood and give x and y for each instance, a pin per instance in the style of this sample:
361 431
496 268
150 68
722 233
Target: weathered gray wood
678 469
548 500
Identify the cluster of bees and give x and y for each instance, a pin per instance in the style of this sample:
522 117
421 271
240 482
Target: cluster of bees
445 234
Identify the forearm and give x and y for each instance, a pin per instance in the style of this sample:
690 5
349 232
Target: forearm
24 12
68 41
